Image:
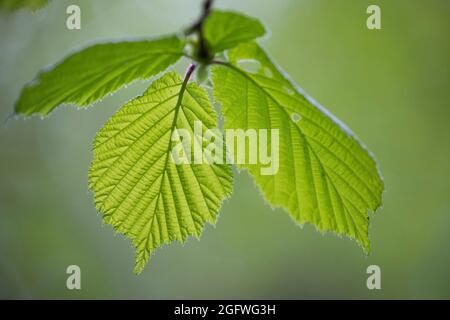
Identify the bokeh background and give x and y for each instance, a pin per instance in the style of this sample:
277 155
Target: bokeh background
390 86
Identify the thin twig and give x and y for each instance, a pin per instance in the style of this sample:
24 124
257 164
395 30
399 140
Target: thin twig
207 5
188 75
197 27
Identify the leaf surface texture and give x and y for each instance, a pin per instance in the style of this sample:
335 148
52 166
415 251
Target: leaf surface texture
326 176
92 73
141 192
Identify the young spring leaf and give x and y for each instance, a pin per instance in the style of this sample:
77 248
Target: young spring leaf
11 5
90 74
224 30
138 187
326 176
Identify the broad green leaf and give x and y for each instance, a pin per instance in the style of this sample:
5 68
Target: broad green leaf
326 176
11 5
138 187
90 74
224 30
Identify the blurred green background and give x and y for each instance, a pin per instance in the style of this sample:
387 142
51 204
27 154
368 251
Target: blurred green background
390 86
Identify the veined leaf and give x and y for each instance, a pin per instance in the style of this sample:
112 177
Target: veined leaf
11 5
326 176
90 74
224 30
138 187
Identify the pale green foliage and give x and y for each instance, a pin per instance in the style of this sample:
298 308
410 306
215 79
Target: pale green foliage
224 30
326 176
11 5
137 186
92 73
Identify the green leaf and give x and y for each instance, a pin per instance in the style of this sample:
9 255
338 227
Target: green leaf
137 186
12 5
224 30
326 176
90 74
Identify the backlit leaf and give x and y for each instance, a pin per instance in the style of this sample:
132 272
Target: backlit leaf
225 29
326 176
90 74
138 187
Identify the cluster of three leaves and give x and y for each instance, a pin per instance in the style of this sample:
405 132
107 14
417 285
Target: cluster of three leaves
326 176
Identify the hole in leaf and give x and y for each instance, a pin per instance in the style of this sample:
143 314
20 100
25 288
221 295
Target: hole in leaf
289 90
296 117
268 73
249 65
